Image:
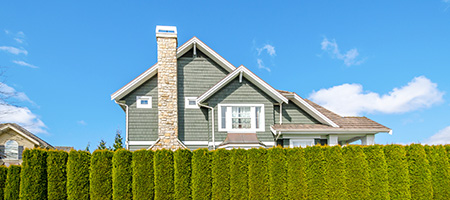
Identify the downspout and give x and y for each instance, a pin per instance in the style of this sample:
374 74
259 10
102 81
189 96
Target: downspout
281 112
126 123
212 123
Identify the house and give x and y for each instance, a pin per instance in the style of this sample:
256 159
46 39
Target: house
194 98
13 140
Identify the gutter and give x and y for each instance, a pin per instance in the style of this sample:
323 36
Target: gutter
126 123
212 123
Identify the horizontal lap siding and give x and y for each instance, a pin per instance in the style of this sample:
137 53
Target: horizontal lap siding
292 114
138 147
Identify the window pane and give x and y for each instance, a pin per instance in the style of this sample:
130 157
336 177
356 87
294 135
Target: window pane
257 116
241 112
224 112
12 150
302 143
241 123
144 102
192 102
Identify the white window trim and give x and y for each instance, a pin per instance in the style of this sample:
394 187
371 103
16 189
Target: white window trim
138 102
291 141
186 102
262 126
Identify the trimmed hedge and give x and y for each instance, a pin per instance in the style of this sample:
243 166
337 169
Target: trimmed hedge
163 164
335 173
201 174
220 174
239 174
258 177
357 172
101 175
378 179
296 177
12 185
397 168
3 173
122 174
33 184
439 167
315 173
57 174
143 176
277 172
78 167
182 177
419 172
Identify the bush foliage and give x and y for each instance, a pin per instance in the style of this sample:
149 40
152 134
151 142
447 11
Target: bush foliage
78 165
335 173
378 179
143 176
277 172
357 172
220 169
419 172
100 186
3 174
182 175
57 174
201 174
238 174
164 169
315 173
439 167
258 178
122 174
296 177
33 176
12 185
397 168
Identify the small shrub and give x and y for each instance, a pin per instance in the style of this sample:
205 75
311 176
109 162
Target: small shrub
78 165
220 174
122 174
419 172
439 167
335 173
296 177
258 177
57 174
143 179
397 168
33 184
12 186
101 175
315 174
238 174
201 174
378 178
164 169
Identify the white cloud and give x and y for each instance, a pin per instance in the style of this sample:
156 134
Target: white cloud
349 58
441 137
8 92
18 40
22 116
23 63
269 48
13 50
351 99
82 122
261 65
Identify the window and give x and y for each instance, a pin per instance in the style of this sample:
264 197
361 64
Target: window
144 102
301 142
190 102
241 117
11 150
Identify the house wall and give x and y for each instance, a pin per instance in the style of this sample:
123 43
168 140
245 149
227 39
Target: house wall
22 141
292 114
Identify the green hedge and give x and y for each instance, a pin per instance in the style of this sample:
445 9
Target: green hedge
439 167
143 179
220 174
182 178
12 185
201 174
122 174
101 175
397 168
3 174
315 173
78 166
239 174
378 179
277 172
33 184
419 172
57 174
163 164
296 177
335 173
357 172
258 178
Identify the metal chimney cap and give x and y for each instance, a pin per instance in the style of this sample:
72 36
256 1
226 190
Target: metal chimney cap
166 31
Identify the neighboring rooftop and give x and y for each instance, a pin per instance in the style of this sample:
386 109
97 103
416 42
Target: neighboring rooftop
41 142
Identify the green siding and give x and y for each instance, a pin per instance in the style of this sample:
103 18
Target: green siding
138 147
292 114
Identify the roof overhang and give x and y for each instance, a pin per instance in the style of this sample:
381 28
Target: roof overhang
243 72
332 131
122 92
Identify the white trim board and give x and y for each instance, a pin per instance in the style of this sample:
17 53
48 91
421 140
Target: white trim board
20 133
149 73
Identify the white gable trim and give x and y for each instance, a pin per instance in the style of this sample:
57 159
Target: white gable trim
150 72
251 77
206 50
20 133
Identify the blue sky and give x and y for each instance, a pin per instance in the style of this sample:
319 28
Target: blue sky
387 60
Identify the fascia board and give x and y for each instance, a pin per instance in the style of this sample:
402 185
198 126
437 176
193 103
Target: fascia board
150 72
21 133
312 111
337 131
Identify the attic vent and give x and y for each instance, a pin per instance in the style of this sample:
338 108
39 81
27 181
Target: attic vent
166 31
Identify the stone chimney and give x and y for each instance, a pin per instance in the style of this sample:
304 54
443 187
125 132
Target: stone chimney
166 37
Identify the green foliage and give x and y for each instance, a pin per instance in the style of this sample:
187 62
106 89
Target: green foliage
57 174
3 173
33 184
439 167
143 185
101 175
277 172
182 178
258 178
102 145
315 173
238 174
378 179
201 174
397 168
447 148
118 144
221 174
335 173
163 164
78 166
296 177
357 172
122 174
12 186
419 172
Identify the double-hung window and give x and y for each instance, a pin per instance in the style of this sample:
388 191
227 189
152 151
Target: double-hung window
241 117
